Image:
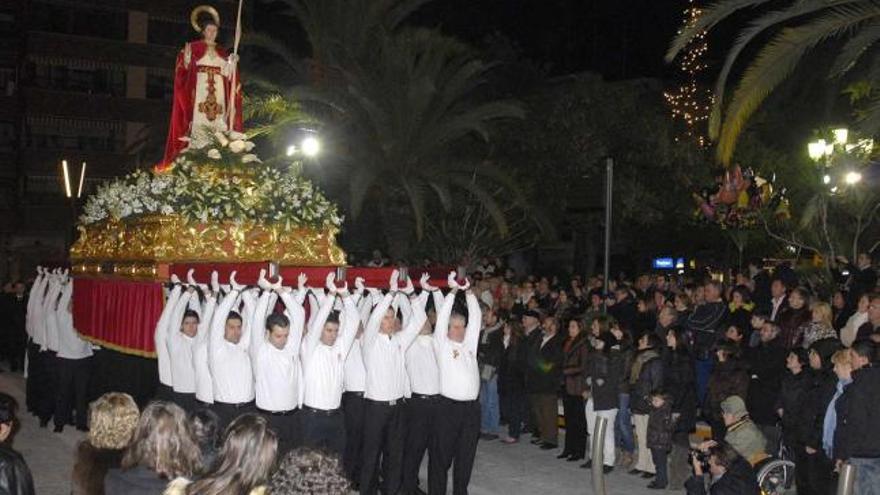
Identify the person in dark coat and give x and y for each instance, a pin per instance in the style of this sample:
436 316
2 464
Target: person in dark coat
574 366
813 471
14 336
543 378
740 311
841 310
660 429
794 385
731 474
646 377
761 283
679 381
730 377
624 308
15 477
512 380
704 325
793 319
766 368
604 373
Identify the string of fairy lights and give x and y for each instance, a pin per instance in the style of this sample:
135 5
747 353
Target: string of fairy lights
691 102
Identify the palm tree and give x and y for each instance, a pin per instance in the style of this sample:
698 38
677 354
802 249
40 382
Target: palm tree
407 103
794 29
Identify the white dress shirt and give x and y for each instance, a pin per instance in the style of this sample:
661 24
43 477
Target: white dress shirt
181 348
34 308
459 371
384 355
777 303
160 336
355 374
230 363
70 344
50 312
323 365
277 375
421 366
204 381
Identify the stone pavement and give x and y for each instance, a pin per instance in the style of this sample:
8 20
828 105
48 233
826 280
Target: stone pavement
500 469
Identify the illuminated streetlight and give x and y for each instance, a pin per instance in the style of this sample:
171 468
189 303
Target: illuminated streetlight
311 146
817 149
826 179
852 178
840 135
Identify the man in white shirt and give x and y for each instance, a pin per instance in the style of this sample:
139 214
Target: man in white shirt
384 350
354 384
422 408
275 358
457 428
228 357
323 352
36 371
48 355
74 365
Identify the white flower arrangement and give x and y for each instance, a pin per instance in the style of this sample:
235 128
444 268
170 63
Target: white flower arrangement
256 192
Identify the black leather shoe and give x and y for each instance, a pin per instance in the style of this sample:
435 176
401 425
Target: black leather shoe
607 469
563 455
587 465
58 428
634 472
656 486
573 458
535 441
43 422
549 446
647 476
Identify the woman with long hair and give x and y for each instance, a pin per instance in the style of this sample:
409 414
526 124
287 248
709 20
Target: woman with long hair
575 350
740 310
243 464
161 450
681 382
511 380
792 320
821 325
112 421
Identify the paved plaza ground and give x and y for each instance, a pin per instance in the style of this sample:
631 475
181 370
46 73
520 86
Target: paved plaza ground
500 469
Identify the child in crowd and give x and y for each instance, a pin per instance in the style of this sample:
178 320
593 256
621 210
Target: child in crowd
660 428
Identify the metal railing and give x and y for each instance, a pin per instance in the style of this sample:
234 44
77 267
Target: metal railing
846 481
597 455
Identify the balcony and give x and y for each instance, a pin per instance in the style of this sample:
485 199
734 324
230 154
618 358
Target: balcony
74 105
63 46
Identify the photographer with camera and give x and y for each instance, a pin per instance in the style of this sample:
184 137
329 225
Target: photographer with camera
730 474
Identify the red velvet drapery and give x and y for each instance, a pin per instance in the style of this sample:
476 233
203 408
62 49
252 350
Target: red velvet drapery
118 314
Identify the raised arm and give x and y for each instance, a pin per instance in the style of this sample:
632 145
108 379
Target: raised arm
350 320
414 325
218 321
205 316
297 316
444 312
160 336
475 319
258 322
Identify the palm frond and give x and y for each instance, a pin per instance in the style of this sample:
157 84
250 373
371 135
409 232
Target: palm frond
711 15
487 201
855 48
777 60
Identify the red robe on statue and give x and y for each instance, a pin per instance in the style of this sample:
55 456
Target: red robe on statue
184 103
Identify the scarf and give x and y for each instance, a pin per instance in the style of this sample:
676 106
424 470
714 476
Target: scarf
830 424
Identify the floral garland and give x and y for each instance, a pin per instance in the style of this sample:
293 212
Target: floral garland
218 180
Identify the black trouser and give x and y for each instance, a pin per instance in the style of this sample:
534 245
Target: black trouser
514 407
353 408
186 401
420 413
383 446
47 385
323 429
34 375
72 392
286 427
659 457
456 431
813 472
575 426
164 393
15 348
228 412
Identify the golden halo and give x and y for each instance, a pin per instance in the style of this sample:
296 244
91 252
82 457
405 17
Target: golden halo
194 16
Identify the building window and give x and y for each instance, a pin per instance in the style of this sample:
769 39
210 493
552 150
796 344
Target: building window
161 32
160 87
96 81
79 21
76 135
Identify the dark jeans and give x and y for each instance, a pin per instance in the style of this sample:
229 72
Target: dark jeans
575 426
456 433
72 393
228 412
659 457
285 424
323 430
353 409
186 401
813 472
46 384
383 447
421 414
514 407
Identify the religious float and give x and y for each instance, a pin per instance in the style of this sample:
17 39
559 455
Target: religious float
211 204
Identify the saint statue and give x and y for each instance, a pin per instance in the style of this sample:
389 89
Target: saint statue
204 100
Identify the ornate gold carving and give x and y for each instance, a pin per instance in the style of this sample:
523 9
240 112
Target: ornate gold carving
138 245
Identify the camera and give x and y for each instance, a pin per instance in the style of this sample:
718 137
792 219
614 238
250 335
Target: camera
701 457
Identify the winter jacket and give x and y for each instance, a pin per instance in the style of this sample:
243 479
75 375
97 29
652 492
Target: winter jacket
490 348
680 381
91 466
741 318
512 371
704 324
625 312
858 416
660 427
574 364
544 372
728 378
626 354
605 370
791 398
646 377
747 440
740 479
766 367
15 477
820 389
791 323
